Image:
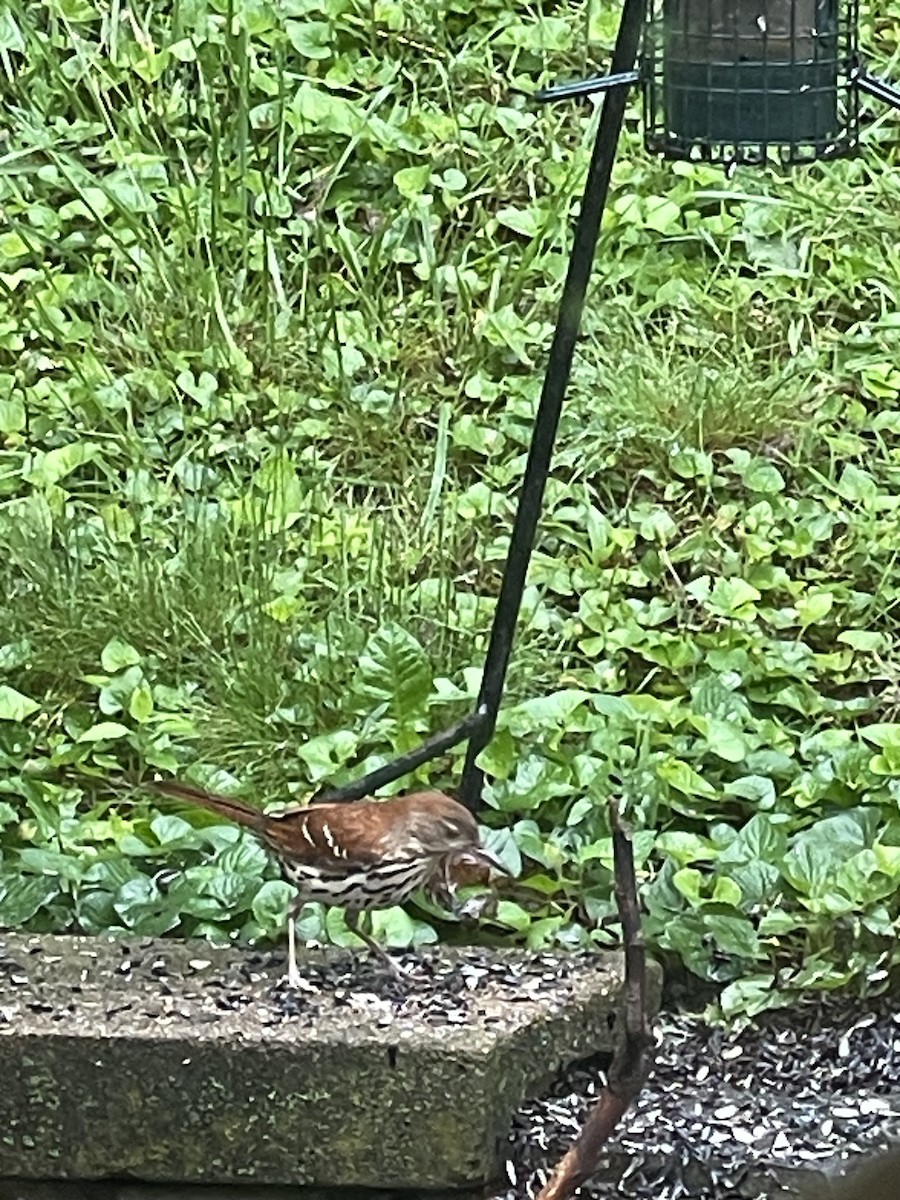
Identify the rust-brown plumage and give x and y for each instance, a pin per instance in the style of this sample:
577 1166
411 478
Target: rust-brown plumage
362 856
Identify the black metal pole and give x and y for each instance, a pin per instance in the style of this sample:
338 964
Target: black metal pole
879 88
586 87
559 367
440 743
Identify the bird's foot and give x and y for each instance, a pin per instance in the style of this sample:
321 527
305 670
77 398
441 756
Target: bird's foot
401 974
297 983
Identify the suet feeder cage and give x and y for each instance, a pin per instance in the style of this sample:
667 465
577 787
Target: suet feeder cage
731 80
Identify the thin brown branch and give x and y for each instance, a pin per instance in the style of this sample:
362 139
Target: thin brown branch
631 1060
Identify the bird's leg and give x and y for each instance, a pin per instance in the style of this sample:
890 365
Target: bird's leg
293 973
294 978
351 916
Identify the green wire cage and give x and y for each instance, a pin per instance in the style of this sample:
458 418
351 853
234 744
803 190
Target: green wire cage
732 80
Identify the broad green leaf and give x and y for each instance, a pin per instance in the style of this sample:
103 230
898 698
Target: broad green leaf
276 499
879 920
52 466
311 923
328 753
887 860
733 598
45 806
336 931
541 712
245 857
129 193
763 476
545 933
229 892
117 693
14 706
394 670
756 788
864 640
12 411
759 882
105 731
117 655
854 879
662 215
142 907
584 806
526 221
725 739
857 485
699 588
658 526
393 927
500 756
412 182
886 736
752 995
689 882
283 608
733 933
46 861
817 853
502 844
512 915
199 388
814 606
271 902
762 838
726 891
319 111
96 912
685 847
776 922
15 654
134 847
533 845
140 706
684 778
168 829
110 873
12 244
22 898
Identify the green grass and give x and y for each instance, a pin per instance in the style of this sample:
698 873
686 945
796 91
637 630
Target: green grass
277 283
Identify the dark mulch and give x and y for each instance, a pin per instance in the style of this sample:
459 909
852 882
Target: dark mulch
733 1115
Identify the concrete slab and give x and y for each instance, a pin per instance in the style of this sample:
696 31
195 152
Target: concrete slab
169 1061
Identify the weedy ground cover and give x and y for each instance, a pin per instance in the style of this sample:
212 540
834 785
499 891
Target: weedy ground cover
276 286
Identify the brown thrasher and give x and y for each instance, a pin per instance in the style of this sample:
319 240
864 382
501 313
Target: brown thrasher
359 856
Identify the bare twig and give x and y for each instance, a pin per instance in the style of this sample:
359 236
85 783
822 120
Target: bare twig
631 1061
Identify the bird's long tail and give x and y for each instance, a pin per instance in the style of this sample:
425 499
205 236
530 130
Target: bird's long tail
234 810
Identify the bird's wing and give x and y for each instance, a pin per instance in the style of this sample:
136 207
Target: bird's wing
338 836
